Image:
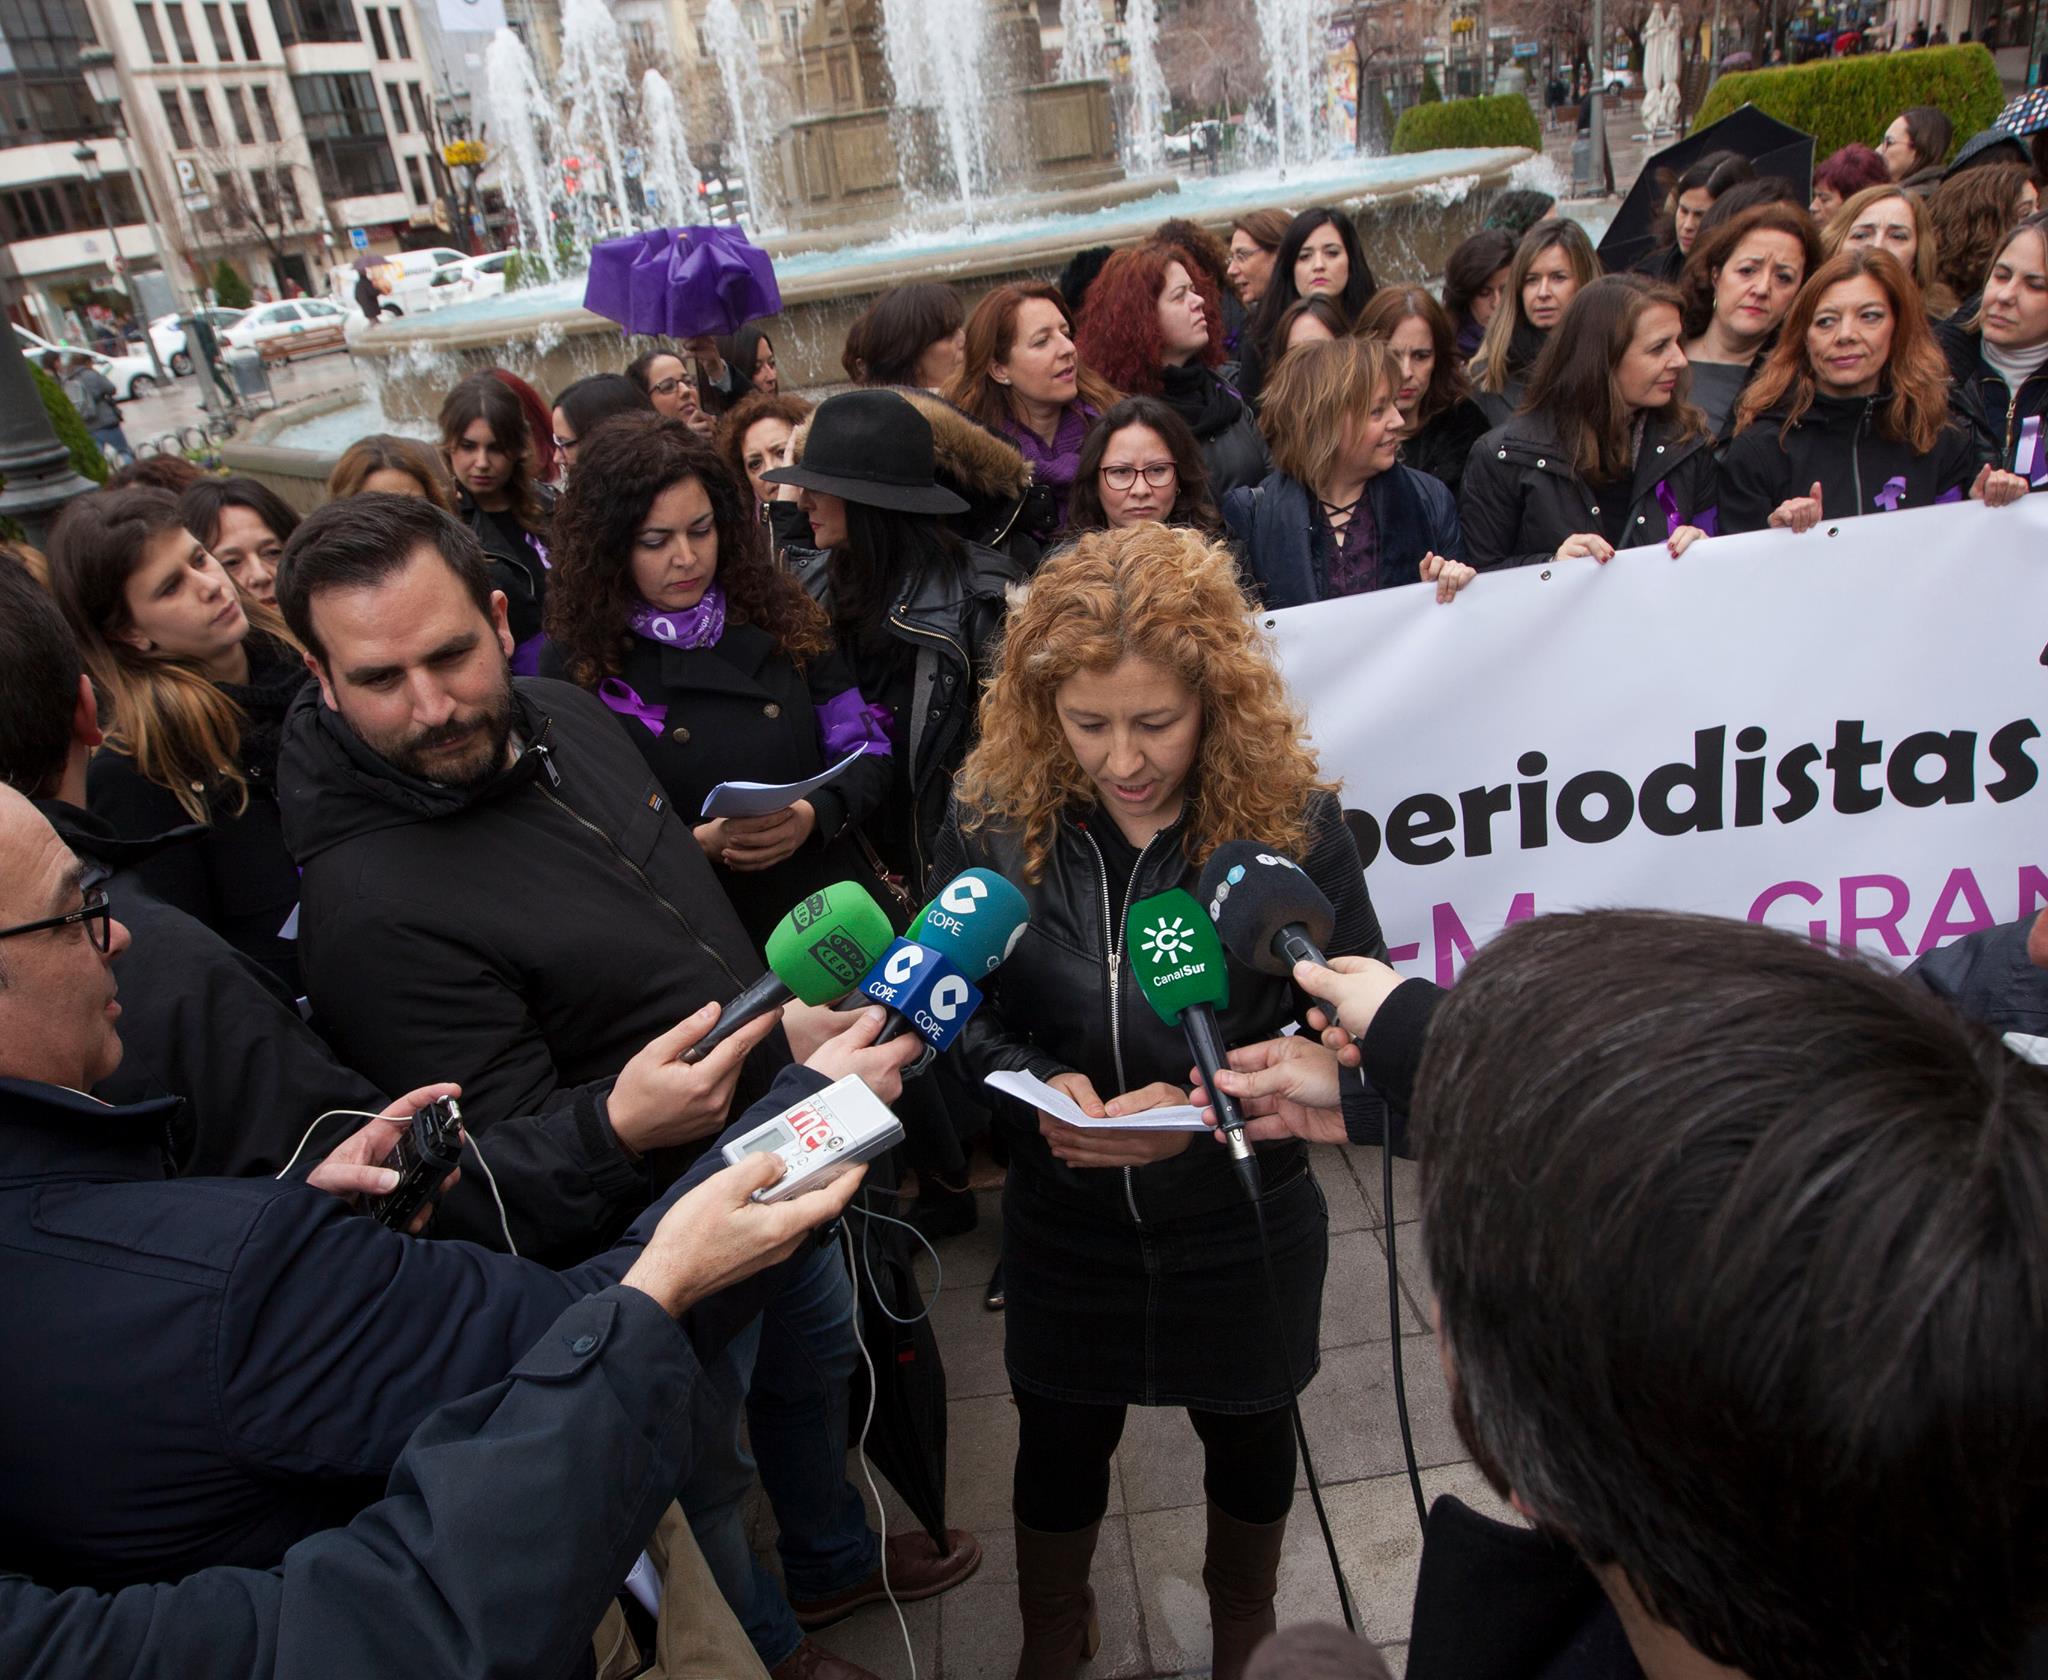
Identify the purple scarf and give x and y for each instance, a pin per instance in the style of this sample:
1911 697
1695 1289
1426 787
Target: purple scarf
1055 464
695 627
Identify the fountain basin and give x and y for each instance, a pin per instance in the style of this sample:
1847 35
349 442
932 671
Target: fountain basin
1410 212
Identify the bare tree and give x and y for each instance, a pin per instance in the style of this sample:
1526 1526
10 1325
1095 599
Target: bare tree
261 200
1210 55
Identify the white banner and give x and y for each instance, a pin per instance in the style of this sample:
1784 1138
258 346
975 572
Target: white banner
472 17
1835 732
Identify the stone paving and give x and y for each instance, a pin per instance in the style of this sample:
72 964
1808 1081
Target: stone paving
1148 1566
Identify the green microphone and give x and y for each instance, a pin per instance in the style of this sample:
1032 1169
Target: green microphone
1177 955
817 953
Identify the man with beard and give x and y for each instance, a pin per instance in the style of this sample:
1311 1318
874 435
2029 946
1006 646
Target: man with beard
496 889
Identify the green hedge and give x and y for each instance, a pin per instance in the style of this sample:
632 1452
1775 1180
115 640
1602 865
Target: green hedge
1502 119
1846 99
88 459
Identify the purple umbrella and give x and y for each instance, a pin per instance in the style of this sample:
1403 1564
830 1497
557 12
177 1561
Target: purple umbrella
681 282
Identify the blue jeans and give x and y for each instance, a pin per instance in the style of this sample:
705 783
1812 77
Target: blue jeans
790 1370
114 438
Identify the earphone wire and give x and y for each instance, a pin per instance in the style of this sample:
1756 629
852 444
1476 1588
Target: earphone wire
867 1469
490 1178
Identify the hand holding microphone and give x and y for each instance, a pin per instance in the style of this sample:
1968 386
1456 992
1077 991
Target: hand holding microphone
926 979
816 953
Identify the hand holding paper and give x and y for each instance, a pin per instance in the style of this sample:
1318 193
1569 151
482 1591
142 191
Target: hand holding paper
1047 1100
761 799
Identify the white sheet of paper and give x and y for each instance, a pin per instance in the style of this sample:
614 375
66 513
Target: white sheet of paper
1028 1088
758 799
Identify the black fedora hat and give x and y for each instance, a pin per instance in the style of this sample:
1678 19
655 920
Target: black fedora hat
871 447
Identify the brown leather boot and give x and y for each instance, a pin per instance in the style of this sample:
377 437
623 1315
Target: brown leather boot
1060 1631
1240 1569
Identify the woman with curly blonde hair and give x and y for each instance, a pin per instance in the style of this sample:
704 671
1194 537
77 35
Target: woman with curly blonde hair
1134 722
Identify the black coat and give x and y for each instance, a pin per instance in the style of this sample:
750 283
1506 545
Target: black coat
1837 445
1442 447
1988 977
1982 396
742 711
525 939
1522 496
506 1527
202 1022
235 873
1062 1003
519 569
207 1370
1285 547
1233 449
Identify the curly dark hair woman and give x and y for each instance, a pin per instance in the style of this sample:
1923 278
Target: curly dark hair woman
719 666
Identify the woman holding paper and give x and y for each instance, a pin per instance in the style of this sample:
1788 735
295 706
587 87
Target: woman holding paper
1135 721
720 668
1998 355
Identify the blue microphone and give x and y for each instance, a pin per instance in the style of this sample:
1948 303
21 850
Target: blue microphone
929 996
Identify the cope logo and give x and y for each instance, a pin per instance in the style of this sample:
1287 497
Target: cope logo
1168 940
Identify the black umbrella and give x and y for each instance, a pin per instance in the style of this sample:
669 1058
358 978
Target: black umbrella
907 1438
1775 148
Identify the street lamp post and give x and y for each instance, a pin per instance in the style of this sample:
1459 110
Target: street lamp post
103 82
88 162
36 467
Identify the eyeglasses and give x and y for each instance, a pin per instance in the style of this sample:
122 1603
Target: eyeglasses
96 913
1159 474
565 444
668 387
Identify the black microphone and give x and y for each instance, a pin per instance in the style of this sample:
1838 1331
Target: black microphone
1267 910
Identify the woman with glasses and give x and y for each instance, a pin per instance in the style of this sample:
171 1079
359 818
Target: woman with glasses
1338 515
671 387
1254 243
587 403
196 681
1141 463
491 455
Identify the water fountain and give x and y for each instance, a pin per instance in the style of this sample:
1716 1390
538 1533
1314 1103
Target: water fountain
593 81
990 174
1086 54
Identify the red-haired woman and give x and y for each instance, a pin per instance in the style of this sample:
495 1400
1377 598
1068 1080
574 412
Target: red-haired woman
1147 329
1850 415
1024 380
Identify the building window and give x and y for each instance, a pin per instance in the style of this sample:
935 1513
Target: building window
65 207
419 181
792 30
288 193
756 15
377 31
152 36
174 118
419 107
238 114
187 52
266 114
300 21
247 30
202 114
217 27
397 104
266 196
42 96
345 130
230 200
401 46
640 35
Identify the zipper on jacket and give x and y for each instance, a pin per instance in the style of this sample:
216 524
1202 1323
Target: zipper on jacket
2011 412
1856 453
576 816
909 770
1116 966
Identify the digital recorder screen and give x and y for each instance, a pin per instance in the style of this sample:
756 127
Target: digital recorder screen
777 1136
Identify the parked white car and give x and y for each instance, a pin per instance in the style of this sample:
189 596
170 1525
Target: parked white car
291 327
167 332
486 274
131 376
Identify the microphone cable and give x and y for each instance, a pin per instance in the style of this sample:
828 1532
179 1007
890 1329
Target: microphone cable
1394 1321
1249 1176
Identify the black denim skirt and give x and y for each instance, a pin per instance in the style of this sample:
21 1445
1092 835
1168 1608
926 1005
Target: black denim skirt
1172 1312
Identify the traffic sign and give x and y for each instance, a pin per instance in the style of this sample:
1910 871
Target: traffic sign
359 238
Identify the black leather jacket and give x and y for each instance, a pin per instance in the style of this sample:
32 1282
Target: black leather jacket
1063 1002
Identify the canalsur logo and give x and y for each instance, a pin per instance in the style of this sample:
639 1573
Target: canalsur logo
1168 941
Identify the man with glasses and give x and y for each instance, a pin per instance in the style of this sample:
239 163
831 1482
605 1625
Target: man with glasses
205 1372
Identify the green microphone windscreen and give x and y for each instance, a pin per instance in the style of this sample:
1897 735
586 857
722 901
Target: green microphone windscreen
1175 953
822 947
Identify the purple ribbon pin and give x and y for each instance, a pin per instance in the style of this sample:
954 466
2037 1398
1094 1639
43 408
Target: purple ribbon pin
1893 493
626 703
2030 460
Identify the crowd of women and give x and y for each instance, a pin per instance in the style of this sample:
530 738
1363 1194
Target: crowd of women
1176 434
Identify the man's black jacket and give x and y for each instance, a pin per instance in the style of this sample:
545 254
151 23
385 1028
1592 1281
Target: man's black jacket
202 1021
524 939
508 1524
203 1371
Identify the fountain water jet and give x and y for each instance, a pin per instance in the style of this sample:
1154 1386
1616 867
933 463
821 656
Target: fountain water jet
1086 53
1146 146
936 51
734 51
1288 32
526 142
669 172
593 78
